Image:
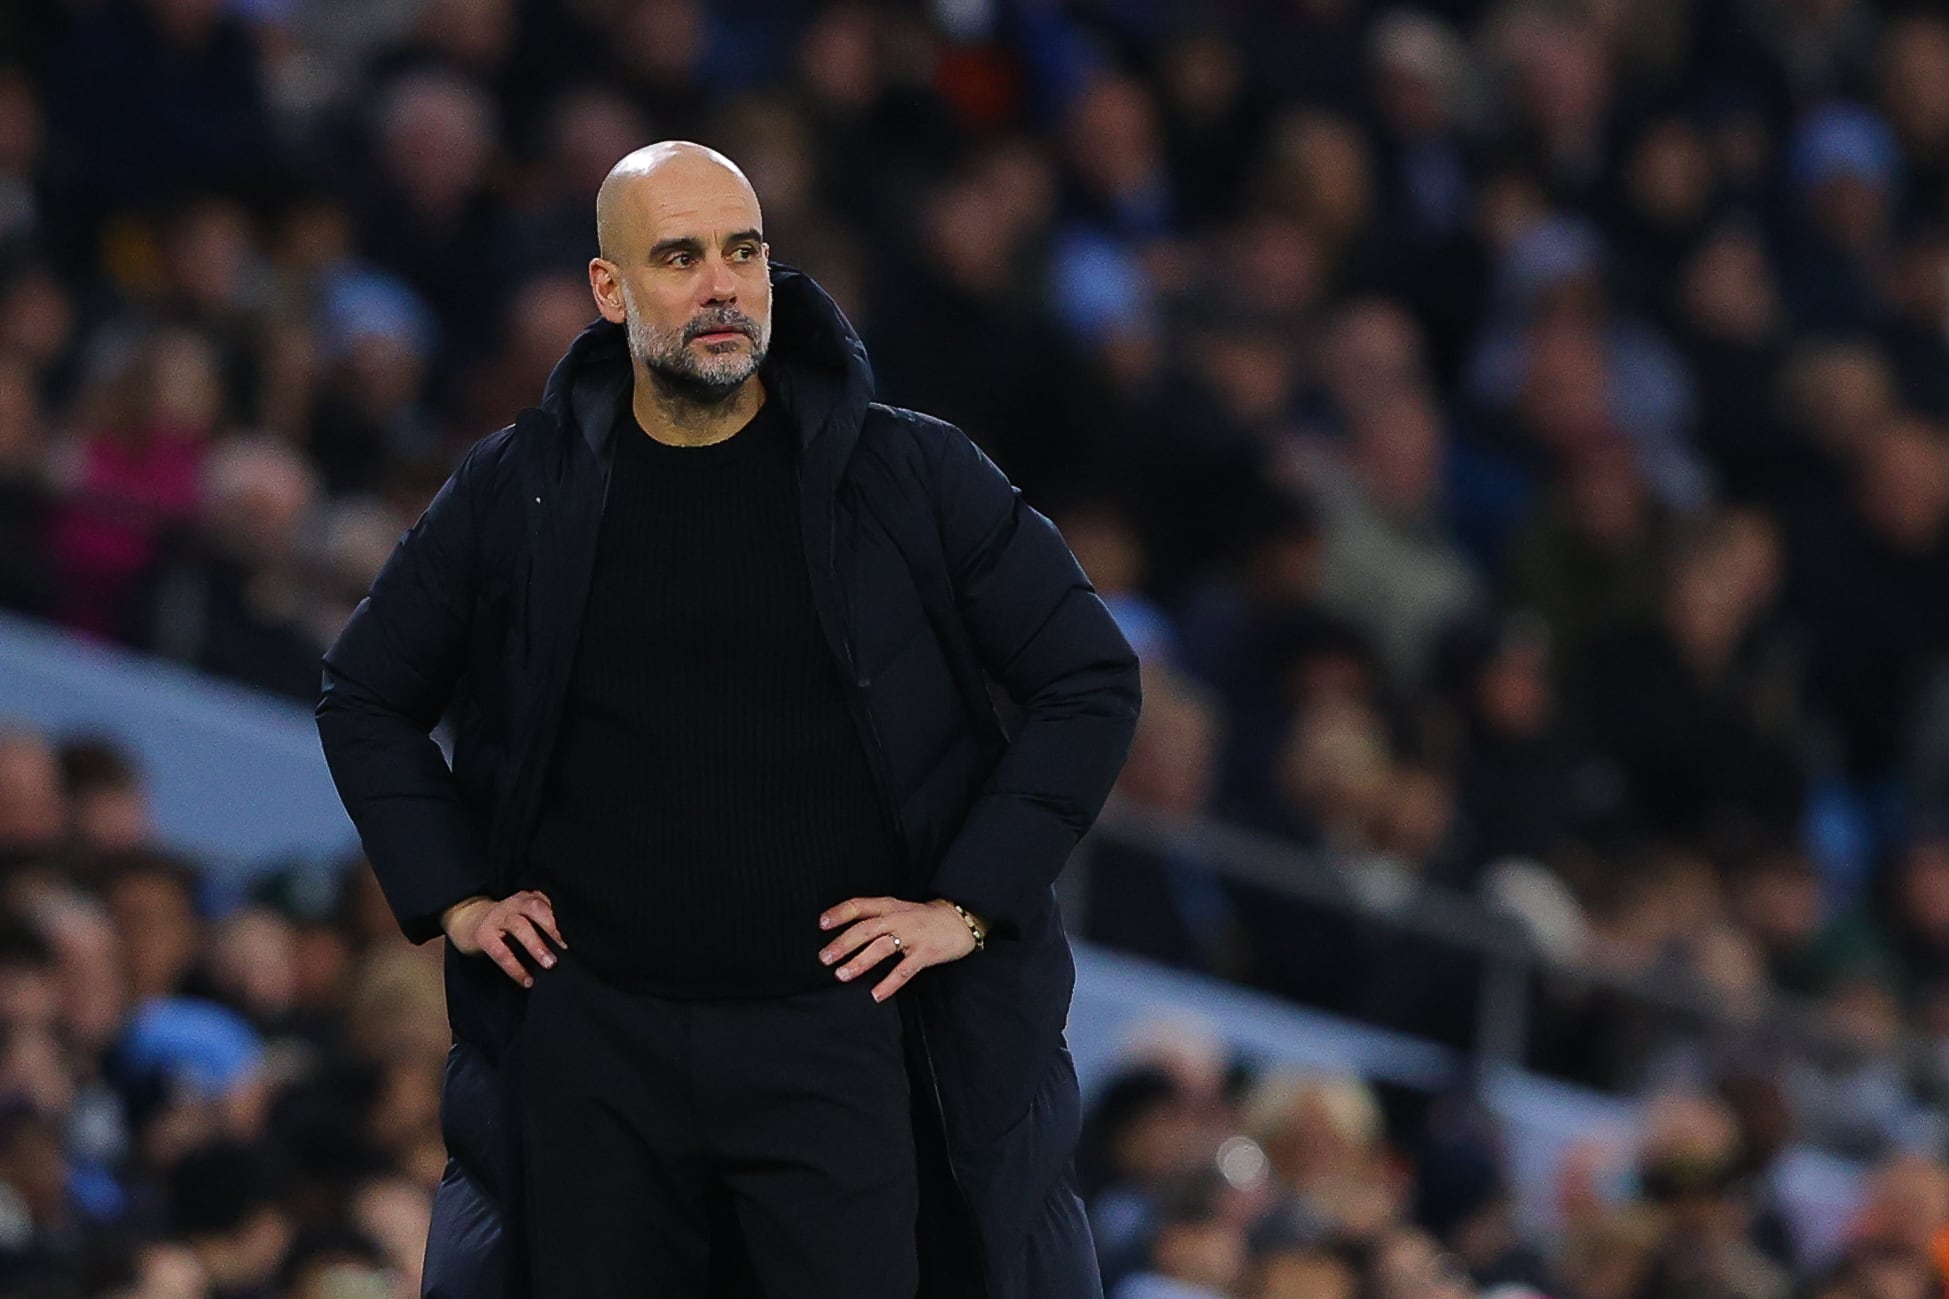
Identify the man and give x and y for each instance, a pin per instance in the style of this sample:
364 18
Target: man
755 971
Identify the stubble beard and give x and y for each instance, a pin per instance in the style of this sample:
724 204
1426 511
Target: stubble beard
678 372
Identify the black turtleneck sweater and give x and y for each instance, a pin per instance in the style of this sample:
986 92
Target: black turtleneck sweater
710 795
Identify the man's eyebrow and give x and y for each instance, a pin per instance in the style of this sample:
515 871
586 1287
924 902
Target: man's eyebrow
693 245
664 247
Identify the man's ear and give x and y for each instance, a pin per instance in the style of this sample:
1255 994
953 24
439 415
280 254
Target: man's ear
606 284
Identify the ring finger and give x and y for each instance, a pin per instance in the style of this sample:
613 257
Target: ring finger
870 955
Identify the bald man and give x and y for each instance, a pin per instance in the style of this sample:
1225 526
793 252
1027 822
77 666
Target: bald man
755 973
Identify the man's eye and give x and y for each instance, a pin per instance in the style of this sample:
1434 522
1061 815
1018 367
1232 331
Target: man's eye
744 253
680 259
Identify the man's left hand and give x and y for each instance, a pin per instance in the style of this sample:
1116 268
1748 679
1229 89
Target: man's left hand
930 933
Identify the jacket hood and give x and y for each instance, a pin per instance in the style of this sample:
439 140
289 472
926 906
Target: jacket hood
817 367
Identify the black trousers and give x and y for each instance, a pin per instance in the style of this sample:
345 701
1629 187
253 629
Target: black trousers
652 1126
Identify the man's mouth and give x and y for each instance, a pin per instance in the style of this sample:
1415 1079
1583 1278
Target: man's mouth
721 332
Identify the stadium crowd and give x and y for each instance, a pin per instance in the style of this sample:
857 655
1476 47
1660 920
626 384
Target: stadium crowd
1514 432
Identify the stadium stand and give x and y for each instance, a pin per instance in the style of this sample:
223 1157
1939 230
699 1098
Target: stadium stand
1515 433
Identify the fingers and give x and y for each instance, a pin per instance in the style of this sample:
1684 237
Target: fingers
870 955
897 977
520 919
856 909
537 907
864 931
523 931
495 947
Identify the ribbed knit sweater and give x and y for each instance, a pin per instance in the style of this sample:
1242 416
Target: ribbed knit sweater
709 795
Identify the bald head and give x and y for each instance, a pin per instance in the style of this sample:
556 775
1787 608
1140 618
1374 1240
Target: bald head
670 175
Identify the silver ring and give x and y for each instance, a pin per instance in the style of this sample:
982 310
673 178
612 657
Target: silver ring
896 941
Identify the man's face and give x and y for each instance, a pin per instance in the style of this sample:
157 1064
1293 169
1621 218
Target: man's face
695 284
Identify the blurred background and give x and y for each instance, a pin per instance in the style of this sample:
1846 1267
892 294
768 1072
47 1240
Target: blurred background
1512 431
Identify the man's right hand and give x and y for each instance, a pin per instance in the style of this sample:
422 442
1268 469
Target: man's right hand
482 926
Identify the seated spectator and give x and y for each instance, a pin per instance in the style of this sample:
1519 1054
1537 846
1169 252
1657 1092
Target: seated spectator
108 807
227 1202
1303 1272
335 1265
26 579
1387 566
1865 574
1691 704
1233 629
1589 562
1325 1139
1153 890
1112 554
151 897
190 1071
43 1229
33 807
1140 1130
1195 1251
368 410
227 597
1529 782
132 475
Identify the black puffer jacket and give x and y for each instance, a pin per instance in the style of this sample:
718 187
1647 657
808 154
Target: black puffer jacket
930 573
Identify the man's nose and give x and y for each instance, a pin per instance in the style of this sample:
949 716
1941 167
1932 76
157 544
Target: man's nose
719 284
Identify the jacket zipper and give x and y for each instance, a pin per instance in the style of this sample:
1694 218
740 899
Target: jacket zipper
947 1151
876 748
857 687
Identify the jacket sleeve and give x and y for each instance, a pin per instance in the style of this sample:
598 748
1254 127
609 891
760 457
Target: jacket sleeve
1041 631
387 680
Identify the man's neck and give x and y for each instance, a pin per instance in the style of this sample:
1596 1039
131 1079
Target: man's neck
668 417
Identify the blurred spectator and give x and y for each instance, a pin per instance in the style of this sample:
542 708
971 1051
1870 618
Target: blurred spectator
1163 899
33 806
229 597
151 897
424 215
1112 554
1530 782
26 584
226 1201
1862 573
1422 69
543 316
22 143
145 94
1244 630
376 340
1560 357
960 336
1845 164
1590 560
133 473
1690 704
335 1265
108 807
1733 326
1195 1252
551 233
1387 569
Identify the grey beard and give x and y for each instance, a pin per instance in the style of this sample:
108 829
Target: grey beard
678 373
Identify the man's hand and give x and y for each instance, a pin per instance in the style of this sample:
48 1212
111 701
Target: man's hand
482 926
930 933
